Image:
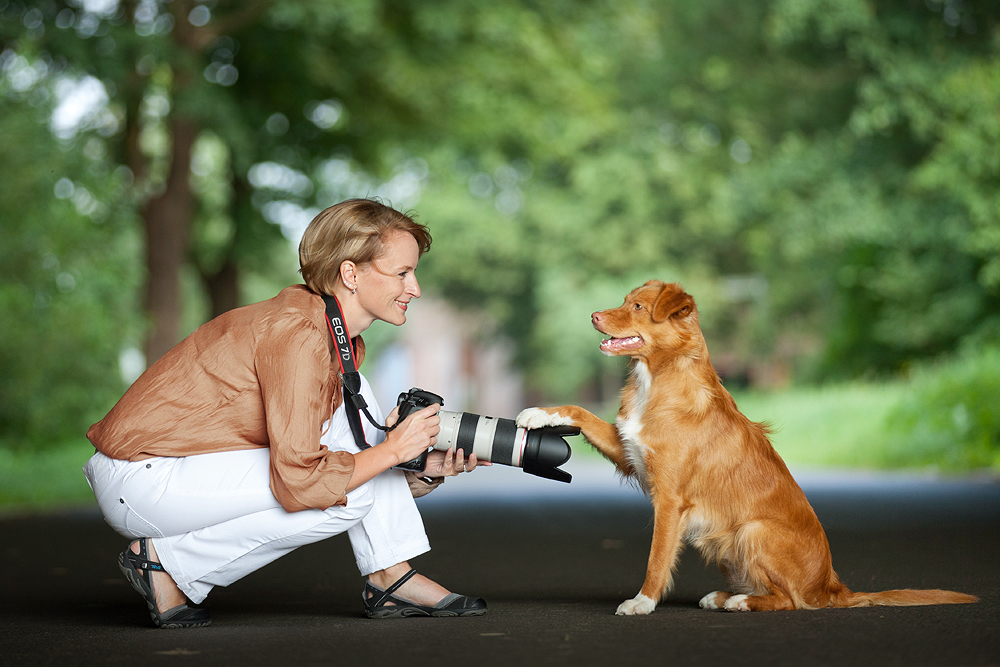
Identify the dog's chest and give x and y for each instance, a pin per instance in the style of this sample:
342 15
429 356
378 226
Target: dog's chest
630 427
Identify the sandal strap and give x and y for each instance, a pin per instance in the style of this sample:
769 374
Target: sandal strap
141 560
149 565
395 587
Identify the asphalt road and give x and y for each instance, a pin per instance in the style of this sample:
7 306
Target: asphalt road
553 562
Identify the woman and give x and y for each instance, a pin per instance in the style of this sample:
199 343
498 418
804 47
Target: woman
234 448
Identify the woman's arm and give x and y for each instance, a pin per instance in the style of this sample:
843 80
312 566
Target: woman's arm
292 364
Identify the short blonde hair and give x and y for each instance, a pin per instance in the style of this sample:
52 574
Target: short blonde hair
354 230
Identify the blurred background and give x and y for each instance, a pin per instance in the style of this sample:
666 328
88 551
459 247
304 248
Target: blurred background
823 176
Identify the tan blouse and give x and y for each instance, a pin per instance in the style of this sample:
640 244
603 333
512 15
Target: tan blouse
257 376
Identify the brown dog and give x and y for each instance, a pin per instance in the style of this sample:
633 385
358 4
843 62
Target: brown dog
713 477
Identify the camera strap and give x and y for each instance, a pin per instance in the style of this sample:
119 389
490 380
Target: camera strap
350 378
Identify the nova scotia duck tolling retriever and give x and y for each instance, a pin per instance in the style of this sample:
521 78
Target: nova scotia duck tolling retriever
712 475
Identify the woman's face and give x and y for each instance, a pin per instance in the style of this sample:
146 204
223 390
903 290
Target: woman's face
386 286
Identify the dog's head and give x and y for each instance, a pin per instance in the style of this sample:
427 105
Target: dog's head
657 318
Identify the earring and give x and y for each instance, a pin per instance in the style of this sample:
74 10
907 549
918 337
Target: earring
353 289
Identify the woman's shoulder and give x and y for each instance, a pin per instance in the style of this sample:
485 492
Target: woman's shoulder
294 309
291 305
298 298
294 313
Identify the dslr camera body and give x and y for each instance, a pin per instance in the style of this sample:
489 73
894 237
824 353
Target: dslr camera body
538 451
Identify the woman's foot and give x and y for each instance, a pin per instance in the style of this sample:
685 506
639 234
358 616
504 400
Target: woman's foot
168 595
401 600
418 588
165 601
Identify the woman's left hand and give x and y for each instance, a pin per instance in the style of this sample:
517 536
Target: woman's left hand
450 463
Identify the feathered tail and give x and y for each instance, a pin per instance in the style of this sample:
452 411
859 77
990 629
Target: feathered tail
906 597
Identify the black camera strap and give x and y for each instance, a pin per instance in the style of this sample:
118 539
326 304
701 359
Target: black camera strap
350 378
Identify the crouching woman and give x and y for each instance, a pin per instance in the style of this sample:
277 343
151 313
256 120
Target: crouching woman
235 448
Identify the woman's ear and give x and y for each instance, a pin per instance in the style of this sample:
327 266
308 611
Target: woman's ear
672 301
349 274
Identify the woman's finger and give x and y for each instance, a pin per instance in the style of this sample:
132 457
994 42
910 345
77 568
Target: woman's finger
393 416
459 461
429 412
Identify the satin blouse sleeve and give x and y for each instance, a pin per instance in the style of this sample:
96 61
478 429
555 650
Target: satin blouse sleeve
293 367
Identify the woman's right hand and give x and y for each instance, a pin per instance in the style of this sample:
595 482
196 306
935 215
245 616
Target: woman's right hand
416 434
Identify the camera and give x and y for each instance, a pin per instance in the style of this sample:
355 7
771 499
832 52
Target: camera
538 451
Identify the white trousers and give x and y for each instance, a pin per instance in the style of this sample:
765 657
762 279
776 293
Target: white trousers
215 520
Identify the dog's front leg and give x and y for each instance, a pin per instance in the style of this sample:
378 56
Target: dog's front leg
602 435
662 558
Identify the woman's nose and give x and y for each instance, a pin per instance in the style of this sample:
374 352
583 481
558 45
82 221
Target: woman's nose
413 289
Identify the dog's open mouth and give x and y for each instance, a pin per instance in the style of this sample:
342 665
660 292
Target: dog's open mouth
621 344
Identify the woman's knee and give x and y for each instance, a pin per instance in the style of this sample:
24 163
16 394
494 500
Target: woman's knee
359 503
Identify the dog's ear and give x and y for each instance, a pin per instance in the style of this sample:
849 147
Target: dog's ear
672 301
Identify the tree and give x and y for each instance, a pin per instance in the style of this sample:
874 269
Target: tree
289 84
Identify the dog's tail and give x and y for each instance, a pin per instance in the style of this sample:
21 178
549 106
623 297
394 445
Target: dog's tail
905 598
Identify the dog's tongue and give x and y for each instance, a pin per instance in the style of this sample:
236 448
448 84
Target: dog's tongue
618 344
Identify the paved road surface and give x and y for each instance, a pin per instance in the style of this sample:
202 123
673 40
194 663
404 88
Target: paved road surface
553 562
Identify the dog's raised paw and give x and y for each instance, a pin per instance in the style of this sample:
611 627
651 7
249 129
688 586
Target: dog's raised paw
737 603
640 605
714 600
539 418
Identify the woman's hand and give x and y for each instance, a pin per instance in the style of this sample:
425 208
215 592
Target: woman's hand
450 463
417 432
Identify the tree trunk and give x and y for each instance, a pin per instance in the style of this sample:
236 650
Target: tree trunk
223 285
167 219
223 288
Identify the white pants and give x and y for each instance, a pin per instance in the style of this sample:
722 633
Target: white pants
215 519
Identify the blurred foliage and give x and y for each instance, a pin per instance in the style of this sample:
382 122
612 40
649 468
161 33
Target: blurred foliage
68 279
948 417
822 175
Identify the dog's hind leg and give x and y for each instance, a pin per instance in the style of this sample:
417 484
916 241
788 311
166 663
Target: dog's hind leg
663 555
602 435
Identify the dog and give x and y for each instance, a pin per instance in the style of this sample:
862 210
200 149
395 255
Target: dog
712 475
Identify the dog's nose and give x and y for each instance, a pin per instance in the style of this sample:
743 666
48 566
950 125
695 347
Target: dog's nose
596 317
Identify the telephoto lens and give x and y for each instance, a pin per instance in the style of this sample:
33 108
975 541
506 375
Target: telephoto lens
539 451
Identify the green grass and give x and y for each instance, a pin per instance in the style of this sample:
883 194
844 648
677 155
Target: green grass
837 426
50 478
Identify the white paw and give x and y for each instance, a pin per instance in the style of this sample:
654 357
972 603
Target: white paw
708 602
538 418
737 603
640 605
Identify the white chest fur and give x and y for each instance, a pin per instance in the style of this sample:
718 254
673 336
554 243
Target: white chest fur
630 427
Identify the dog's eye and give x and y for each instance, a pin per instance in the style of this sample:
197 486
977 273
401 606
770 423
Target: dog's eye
637 306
